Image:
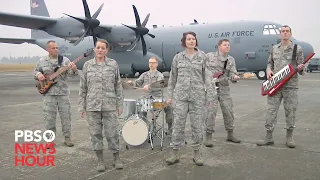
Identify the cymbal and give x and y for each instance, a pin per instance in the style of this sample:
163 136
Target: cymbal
159 84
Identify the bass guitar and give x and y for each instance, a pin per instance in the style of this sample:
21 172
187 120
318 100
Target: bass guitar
44 86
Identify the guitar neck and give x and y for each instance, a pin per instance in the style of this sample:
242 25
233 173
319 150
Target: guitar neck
63 69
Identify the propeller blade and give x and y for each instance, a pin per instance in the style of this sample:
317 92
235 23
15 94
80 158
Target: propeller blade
134 42
145 20
151 35
94 37
133 28
96 14
136 14
144 47
86 9
78 19
80 38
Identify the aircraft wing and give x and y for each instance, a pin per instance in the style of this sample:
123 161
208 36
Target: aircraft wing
16 40
25 21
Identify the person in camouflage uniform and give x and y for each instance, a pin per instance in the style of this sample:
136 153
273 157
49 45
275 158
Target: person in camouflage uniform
280 56
219 62
189 89
149 77
57 97
101 100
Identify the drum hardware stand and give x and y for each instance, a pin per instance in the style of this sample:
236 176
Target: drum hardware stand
154 123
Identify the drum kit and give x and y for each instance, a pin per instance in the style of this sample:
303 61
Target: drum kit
137 128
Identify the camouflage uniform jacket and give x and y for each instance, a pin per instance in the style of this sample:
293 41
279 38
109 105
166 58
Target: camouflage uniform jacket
189 78
148 78
46 66
216 65
100 86
280 57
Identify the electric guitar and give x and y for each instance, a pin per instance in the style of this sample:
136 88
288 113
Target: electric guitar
44 86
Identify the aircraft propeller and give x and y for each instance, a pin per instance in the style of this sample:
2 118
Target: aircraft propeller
90 22
140 30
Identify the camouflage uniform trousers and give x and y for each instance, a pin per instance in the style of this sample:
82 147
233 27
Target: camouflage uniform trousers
290 103
108 122
50 105
181 109
226 104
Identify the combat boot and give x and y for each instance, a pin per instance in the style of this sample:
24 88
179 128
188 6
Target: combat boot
290 143
174 158
232 138
116 161
197 158
208 142
68 142
267 140
100 166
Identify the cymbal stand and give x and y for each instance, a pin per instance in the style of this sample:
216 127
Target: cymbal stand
155 116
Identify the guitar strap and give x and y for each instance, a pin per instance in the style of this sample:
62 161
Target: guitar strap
294 56
60 59
225 66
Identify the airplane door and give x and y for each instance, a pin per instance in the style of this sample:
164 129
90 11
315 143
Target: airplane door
168 52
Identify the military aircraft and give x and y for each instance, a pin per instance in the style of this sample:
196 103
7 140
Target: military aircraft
250 41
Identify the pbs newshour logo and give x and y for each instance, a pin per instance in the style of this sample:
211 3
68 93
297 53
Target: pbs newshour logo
32 151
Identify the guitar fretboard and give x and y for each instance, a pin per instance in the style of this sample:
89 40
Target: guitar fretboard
63 69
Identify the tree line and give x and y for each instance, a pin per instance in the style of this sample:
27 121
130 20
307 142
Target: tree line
20 60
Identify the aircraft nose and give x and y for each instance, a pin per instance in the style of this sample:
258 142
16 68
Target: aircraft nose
307 48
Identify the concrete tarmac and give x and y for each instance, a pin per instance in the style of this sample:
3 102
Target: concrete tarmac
21 108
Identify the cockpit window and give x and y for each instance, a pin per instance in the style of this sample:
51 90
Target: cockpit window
270 29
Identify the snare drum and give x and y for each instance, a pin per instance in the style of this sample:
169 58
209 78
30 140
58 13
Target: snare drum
129 107
135 130
157 104
145 104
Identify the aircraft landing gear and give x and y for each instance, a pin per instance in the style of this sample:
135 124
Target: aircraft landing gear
261 75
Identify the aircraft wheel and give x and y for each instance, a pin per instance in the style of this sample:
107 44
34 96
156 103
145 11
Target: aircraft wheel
261 75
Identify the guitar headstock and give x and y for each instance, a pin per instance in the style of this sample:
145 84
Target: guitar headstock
89 51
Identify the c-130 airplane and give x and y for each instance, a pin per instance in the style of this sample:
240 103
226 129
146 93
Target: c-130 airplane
250 41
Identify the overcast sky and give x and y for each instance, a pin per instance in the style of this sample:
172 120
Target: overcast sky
302 16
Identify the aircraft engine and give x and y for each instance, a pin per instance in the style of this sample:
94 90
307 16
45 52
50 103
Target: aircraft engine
140 30
66 29
89 22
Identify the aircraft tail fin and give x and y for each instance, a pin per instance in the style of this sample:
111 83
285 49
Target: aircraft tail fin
39 8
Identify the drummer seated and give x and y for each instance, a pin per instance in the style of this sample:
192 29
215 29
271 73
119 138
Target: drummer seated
149 78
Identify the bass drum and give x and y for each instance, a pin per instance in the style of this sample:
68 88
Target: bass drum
135 130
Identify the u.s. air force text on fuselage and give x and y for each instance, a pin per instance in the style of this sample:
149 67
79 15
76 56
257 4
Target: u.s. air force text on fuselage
230 34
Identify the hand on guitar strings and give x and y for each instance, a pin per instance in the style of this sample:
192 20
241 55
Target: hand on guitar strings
72 66
300 67
269 74
41 77
236 77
